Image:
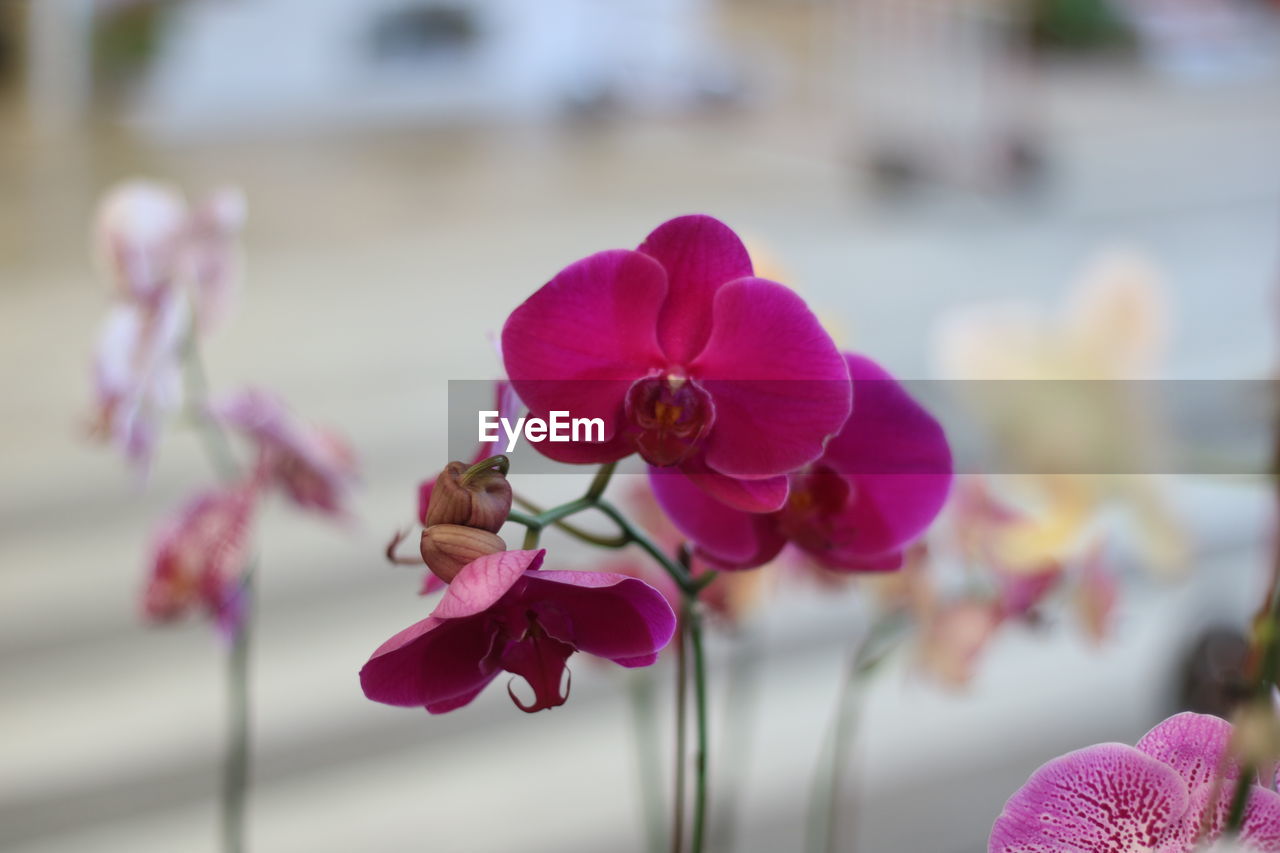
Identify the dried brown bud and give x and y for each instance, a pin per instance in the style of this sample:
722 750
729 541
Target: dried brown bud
446 548
479 496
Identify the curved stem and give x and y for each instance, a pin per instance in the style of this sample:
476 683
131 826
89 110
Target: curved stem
619 541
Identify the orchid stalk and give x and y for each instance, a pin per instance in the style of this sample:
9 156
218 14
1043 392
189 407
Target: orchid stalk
691 655
234 789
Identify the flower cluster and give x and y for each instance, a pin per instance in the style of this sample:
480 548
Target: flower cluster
758 432
1169 794
174 271
501 611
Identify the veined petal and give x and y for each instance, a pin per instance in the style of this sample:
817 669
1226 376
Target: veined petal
579 342
1109 798
1194 745
608 615
480 583
780 386
430 663
699 254
725 535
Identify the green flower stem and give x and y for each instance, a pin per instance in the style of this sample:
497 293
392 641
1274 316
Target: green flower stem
235 765
829 783
619 541
689 633
682 750
693 617
235 776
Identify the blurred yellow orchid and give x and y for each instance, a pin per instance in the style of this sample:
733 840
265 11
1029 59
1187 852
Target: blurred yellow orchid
1075 436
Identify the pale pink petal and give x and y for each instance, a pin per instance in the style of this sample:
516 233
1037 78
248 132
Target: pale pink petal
780 386
480 583
1192 744
699 254
1109 798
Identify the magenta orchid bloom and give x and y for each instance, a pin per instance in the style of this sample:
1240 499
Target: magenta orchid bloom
315 467
876 487
200 556
1114 798
688 358
502 613
137 374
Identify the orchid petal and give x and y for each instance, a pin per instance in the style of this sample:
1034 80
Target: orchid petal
1109 798
608 615
722 533
483 581
699 254
772 372
1194 745
896 457
430 663
580 341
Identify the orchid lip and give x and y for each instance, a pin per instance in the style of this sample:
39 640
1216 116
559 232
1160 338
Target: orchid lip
671 414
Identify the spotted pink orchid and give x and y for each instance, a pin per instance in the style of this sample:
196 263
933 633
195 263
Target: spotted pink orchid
151 242
314 467
503 613
137 375
1160 797
876 487
200 556
688 358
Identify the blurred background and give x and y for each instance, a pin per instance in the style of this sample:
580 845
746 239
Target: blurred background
415 168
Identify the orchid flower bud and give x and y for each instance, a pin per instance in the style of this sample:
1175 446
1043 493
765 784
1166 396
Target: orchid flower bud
446 548
479 496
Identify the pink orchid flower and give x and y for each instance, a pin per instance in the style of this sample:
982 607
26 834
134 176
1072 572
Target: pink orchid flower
200 556
876 487
689 360
502 613
137 374
1114 798
315 467
151 242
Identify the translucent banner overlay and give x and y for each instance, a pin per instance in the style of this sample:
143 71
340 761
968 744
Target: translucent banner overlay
1095 427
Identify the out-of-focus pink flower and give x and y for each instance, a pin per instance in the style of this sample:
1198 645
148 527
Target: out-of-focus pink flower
1155 797
953 638
502 613
689 360
199 558
151 243
315 467
137 374
877 486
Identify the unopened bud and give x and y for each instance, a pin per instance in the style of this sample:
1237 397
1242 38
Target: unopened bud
479 496
446 548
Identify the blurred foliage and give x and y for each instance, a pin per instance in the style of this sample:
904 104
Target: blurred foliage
1078 25
125 39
